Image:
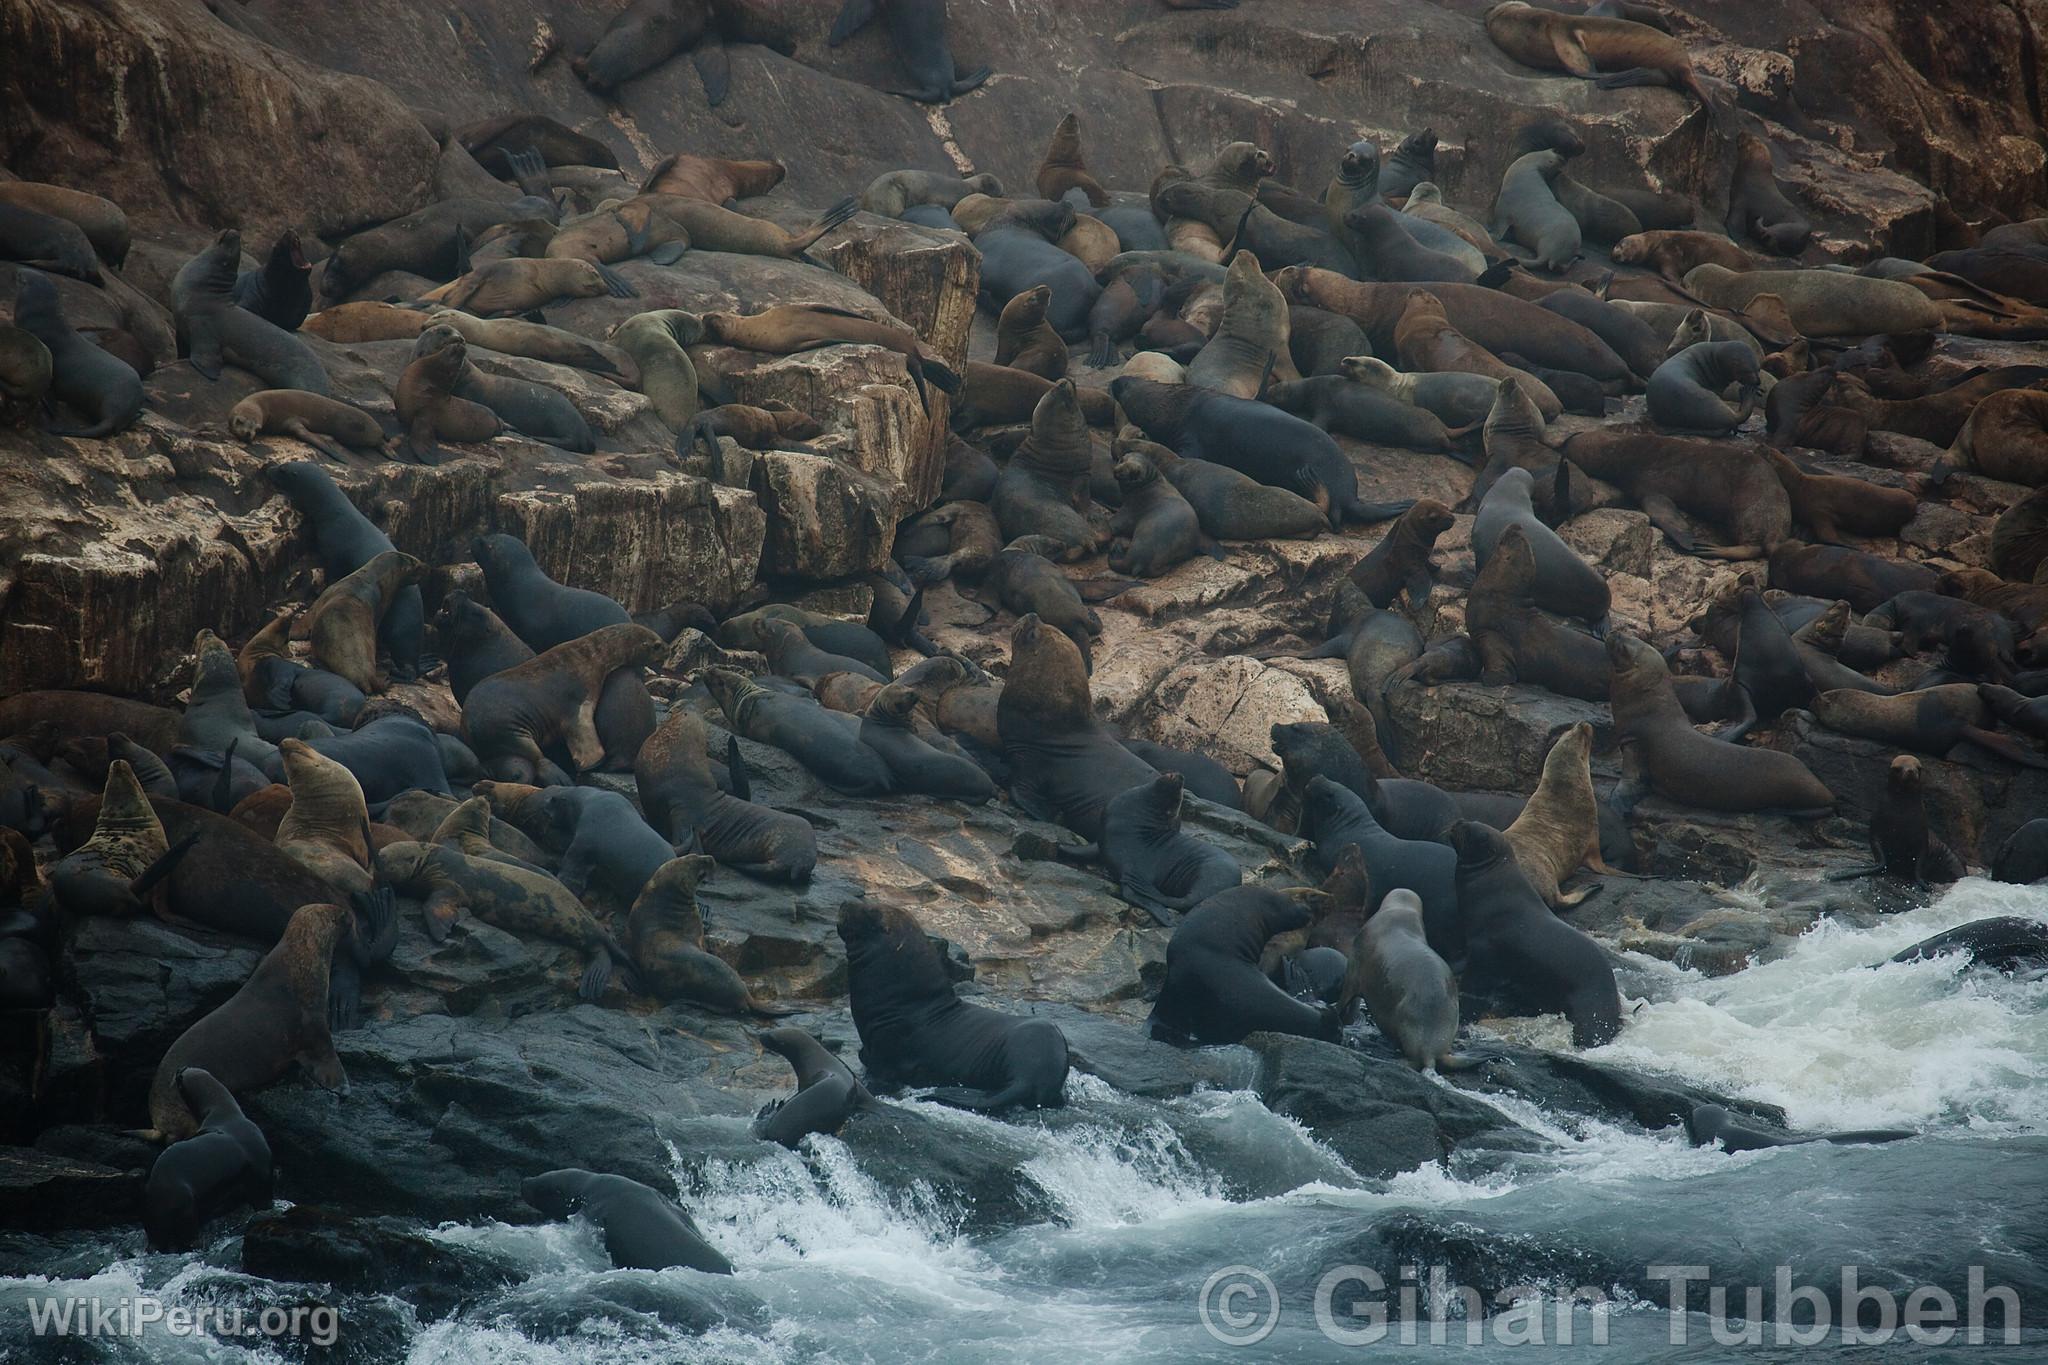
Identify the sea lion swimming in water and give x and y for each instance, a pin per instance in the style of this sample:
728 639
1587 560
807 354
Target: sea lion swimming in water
643 1230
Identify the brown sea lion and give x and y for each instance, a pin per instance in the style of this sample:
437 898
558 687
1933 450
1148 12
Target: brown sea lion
1044 489
1726 484
326 827
665 934
1402 560
1518 643
712 179
1426 341
126 857
278 1019
618 232
713 228
511 717
1823 303
489 142
1157 526
428 408
523 284
1683 765
997 395
96 714
1864 581
789 328
2024 603
1025 341
1061 168
342 622
1066 764
308 417
1251 337
1671 254
1611 53
777 426
1832 505
1757 208
2006 437
893 193
1906 848
647 33
2019 543
101 220
1559 830
683 801
1933 720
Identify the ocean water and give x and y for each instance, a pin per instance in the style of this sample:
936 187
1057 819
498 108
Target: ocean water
1209 1228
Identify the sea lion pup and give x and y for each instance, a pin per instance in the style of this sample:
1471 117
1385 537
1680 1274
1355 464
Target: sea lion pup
972 540
1521 958
504 895
1684 394
643 1229
1564 583
893 193
327 829
1253 438
223 1166
1214 991
343 621
1425 340
306 417
1558 831
1906 848
216 332
428 407
511 717
1725 484
715 180
525 283
1230 505
128 854
1683 765
2006 437
775 426
800 727
656 342
1612 53
277 1019
788 328
1865 581
1402 561
1024 340
1410 992
1757 208
1455 397
1708 1124
531 409
1674 253
665 934
917 34
1044 489
1932 720
1823 303
827 1092
1527 211
281 290
1066 765
1157 525
647 33
1833 506
915 766
1062 169
1600 218
1023 579
1157 867
102 389
914 1031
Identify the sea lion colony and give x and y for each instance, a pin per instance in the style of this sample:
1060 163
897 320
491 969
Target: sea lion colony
1258 359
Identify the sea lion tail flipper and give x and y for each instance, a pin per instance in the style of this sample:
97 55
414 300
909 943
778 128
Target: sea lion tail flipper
530 169
1368 512
940 373
420 442
203 346
972 79
616 284
1418 587
1101 351
222 796
2005 747
1496 274
1147 898
830 219
461 250
668 253
1665 516
377 929
163 867
853 17
1744 718
736 769
713 68
906 624
1634 76
597 975
344 996
770 1010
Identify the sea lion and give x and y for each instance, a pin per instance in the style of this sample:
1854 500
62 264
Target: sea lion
787 329
1335 818
524 284
1728 485
1334 403
1832 506
1389 252
827 1092
1061 168
277 1019
776 426
389 754
1600 218
1066 764
1558 830
536 341
647 33
1757 208
1023 339
1402 560
914 765
915 1031
656 341
428 407
99 387
1157 525
917 33
307 417
504 895
1253 438
1234 506
25 369
1822 303
510 717
47 240
217 714
1674 254
127 856
1610 52
1457 398
1527 211
1905 848
1564 582
1044 489
1521 958
713 179
345 540
1685 393
616 232
343 622
1424 339
2019 539
1023 580
557 145
665 934
1864 581
222 1166
215 331
1708 1124
1932 720
1411 163
1158 867
832 752
1426 201
2023 858
643 1229
1250 337
1408 989
792 655
101 220
2006 437
972 540
1319 340
893 193
531 409
280 291
326 828
1682 764
1214 991
606 852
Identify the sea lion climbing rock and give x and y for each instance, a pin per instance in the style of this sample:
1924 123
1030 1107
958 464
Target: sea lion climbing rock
665 935
643 1229
343 622
827 1092
1214 991
225 1165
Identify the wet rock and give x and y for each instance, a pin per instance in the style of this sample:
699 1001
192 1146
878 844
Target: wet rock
41 1191
319 1245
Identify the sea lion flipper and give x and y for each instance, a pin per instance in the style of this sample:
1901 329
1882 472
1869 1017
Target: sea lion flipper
668 253
1571 54
1665 516
713 68
2004 746
597 975
616 284
853 17
736 770
1634 76
1147 898
143 885
344 1001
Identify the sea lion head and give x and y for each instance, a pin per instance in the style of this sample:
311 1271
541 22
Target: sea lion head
862 921
213 667
1428 518
1426 192
460 619
1360 164
1631 249
558 1194
471 818
245 421
1134 472
677 880
1242 163
499 554
1904 777
1367 370
1155 805
985 184
729 689
1030 305
1628 656
1478 846
932 678
893 704
403 863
